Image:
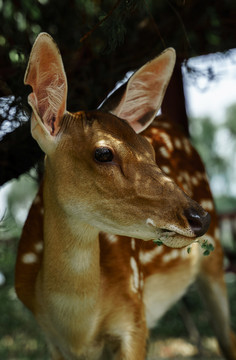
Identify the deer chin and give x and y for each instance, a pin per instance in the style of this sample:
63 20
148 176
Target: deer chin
174 240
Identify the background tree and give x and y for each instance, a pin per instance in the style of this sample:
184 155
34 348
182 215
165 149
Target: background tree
100 41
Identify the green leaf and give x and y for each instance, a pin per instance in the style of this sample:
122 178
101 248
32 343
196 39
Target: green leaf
158 242
208 247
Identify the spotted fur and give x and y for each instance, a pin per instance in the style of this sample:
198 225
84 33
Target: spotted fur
142 270
96 294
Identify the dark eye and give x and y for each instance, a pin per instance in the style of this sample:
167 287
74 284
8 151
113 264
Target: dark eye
103 154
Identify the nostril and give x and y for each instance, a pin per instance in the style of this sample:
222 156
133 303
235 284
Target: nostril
199 221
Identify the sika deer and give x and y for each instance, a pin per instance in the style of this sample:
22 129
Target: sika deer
92 285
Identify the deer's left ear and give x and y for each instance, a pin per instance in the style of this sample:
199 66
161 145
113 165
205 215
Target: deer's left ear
45 74
141 98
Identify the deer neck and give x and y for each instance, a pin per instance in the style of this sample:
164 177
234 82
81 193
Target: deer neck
69 279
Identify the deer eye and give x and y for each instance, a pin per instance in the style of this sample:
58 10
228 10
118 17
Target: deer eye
103 154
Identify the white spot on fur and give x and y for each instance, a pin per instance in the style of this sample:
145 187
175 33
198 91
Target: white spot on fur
164 152
166 169
175 253
207 204
42 211
170 256
135 276
141 280
133 244
199 175
187 189
195 181
187 146
184 179
186 176
38 246
29 258
154 131
184 253
167 141
177 143
150 222
112 238
179 178
146 257
165 125
79 261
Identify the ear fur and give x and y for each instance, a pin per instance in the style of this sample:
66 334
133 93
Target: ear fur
45 74
139 101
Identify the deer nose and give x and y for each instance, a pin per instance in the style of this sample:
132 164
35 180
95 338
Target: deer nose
199 222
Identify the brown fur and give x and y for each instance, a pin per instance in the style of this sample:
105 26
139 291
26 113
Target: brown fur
119 300
93 287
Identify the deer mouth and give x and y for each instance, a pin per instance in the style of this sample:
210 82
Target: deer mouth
174 239
196 225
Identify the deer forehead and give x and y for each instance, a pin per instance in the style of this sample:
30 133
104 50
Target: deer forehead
92 129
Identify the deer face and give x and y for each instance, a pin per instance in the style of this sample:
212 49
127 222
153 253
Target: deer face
111 181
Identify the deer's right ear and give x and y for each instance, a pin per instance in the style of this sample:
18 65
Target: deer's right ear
46 75
139 100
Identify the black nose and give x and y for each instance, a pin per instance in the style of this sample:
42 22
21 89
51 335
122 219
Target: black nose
198 220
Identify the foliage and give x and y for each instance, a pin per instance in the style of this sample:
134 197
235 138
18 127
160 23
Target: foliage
100 41
206 136
207 248
203 132
225 203
108 37
230 119
19 195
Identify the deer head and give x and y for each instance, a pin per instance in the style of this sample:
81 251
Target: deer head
99 171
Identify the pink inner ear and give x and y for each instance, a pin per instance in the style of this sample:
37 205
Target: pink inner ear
145 91
50 93
142 100
46 75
